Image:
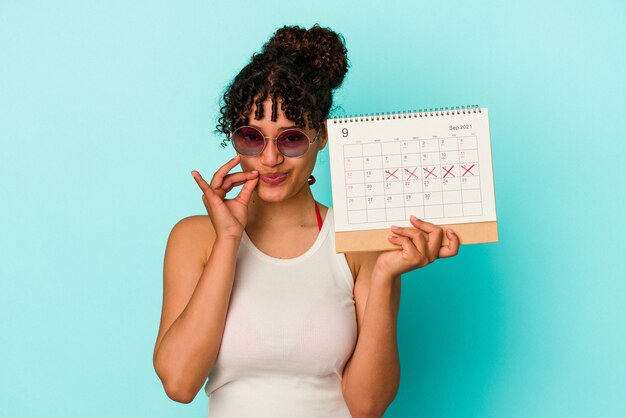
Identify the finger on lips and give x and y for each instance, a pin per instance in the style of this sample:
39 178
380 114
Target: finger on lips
237 179
246 190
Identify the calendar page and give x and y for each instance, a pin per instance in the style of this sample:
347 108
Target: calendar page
435 165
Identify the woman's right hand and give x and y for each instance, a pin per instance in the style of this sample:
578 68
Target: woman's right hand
229 216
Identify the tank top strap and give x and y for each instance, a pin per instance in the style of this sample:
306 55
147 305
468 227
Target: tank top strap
319 217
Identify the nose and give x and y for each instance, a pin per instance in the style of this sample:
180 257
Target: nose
271 156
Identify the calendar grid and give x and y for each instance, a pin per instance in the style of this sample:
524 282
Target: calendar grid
389 180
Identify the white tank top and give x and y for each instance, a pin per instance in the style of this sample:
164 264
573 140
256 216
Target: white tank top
290 329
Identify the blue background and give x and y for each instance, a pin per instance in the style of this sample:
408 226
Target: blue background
106 107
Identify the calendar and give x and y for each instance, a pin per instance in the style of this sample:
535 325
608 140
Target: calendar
434 164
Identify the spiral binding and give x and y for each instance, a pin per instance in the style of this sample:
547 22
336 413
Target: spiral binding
422 113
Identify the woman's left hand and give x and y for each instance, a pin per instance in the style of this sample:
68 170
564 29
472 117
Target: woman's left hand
421 246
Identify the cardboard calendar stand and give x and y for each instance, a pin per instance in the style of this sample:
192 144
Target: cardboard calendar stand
376 240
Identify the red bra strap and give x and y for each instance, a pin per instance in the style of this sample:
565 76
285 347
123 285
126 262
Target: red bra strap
319 217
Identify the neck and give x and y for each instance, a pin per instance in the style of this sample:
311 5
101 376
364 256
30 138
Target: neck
295 211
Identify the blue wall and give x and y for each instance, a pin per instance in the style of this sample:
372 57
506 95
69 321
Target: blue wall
105 107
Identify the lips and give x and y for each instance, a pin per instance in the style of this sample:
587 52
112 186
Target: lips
273 178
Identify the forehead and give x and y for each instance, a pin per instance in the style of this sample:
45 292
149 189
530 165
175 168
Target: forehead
266 120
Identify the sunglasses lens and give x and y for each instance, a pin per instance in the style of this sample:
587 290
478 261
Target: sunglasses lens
292 143
248 141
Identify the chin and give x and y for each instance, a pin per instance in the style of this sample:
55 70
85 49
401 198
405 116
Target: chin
269 193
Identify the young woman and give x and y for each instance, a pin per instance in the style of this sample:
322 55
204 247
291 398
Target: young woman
255 298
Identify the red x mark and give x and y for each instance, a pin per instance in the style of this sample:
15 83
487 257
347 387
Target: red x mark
411 173
467 170
391 174
448 171
430 172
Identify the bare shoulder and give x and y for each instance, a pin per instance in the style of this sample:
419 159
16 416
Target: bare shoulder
195 234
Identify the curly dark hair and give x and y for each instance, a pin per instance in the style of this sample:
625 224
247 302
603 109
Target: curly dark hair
297 66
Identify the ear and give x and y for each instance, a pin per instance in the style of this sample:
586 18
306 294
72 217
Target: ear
323 139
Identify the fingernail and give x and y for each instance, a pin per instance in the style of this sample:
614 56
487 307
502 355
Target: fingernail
413 218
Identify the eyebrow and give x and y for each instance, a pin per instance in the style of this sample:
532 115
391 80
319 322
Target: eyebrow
280 129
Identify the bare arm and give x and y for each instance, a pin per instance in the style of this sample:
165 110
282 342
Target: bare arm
186 350
372 376
196 295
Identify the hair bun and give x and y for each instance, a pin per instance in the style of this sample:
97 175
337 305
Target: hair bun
321 47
